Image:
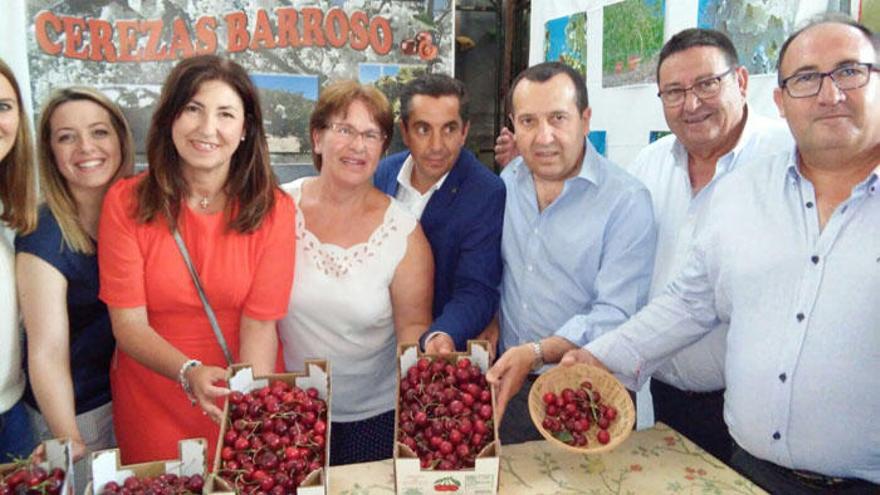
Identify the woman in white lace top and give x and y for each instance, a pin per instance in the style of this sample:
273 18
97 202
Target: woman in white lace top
364 272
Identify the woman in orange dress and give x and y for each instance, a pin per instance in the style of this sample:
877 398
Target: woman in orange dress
209 177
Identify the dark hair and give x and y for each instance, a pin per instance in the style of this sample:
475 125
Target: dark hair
827 18
434 85
250 184
337 97
696 37
545 71
56 190
18 191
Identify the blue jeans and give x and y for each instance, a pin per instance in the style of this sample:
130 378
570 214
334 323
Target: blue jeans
16 437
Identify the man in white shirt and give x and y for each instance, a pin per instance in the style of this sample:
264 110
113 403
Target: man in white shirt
787 255
703 93
459 202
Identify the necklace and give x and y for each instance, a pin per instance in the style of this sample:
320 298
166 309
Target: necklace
204 203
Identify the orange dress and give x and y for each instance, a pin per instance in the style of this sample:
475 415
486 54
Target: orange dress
140 265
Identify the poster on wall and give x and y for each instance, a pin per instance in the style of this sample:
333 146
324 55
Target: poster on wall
631 41
599 141
869 14
655 135
757 28
291 48
565 40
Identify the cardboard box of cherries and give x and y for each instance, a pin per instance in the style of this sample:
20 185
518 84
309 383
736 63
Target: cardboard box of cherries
185 475
275 434
53 476
445 426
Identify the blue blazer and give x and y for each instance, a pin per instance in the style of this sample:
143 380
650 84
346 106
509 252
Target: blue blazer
462 222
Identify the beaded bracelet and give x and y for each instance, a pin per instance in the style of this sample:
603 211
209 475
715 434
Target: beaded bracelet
184 383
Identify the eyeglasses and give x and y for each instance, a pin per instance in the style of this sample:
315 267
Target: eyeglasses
846 77
348 134
703 89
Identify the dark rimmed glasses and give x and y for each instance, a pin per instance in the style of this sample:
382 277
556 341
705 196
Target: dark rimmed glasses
704 89
348 134
846 77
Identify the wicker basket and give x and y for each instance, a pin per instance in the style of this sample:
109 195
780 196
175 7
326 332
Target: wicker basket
611 390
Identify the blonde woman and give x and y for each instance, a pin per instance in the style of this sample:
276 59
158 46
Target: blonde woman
84 145
18 213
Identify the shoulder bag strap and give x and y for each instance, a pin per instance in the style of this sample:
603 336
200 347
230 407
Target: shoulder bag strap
212 318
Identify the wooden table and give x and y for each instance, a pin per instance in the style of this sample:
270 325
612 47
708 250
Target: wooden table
655 461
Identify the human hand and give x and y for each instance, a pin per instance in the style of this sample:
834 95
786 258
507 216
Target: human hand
441 343
508 374
581 355
202 381
505 147
490 333
78 449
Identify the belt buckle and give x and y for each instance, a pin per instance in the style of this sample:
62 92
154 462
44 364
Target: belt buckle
812 478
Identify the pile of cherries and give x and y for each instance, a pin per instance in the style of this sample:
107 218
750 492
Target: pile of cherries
164 484
445 413
570 414
27 478
275 436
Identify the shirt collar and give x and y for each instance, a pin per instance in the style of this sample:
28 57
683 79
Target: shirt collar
792 170
794 175
590 165
751 126
404 177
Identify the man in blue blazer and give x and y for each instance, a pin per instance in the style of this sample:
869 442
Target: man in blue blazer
460 204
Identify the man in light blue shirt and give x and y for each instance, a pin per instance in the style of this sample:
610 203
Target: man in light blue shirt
788 254
577 243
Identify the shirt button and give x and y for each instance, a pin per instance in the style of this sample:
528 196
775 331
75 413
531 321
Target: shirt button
809 204
525 306
815 260
800 317
782 377
530 268
776 436
536 231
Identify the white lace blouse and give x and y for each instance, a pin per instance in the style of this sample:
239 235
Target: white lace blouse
340 310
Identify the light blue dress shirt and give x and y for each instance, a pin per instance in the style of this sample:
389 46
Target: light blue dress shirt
803 308
580 267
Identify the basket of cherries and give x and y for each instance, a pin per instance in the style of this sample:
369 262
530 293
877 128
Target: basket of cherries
581 408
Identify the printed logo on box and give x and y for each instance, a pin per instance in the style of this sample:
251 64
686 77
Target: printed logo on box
447 484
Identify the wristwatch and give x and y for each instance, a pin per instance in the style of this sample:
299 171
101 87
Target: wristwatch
538 363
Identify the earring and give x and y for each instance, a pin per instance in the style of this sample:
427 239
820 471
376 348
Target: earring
242 138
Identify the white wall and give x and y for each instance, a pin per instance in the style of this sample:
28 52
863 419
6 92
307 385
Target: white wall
629 113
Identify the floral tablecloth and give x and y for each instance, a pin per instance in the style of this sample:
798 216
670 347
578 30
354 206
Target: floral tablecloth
655 461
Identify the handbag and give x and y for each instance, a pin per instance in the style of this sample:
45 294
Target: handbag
212 318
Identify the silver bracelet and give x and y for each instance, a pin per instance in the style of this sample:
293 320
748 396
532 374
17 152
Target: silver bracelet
184 383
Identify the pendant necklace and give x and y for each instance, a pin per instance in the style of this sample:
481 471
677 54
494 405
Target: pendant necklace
204 203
